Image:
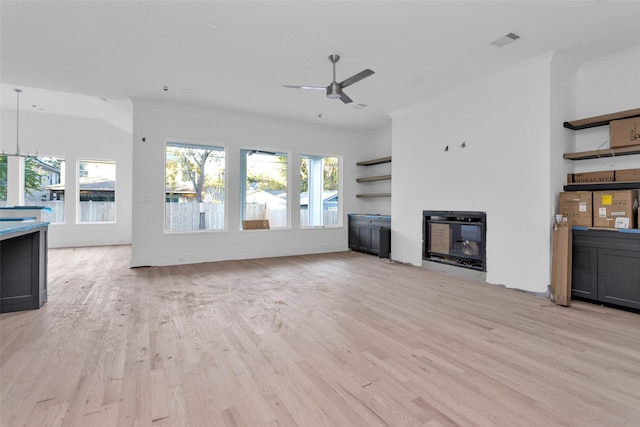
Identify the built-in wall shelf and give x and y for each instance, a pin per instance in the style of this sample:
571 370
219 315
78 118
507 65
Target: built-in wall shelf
602 186
387 177
366 196
607 152
603 120
375 161
374 178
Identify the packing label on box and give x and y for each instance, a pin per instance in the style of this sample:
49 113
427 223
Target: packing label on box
602 212
582 206
607 199
622 222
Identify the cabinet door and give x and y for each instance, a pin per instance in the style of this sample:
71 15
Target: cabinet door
619 277
584 273
365 238
354 236
375 241
385 243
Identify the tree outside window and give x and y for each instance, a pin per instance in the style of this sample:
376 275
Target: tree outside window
319 191
44 185
194 187
3 181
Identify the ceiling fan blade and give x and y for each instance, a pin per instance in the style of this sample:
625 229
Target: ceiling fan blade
305 87
345 98
356 78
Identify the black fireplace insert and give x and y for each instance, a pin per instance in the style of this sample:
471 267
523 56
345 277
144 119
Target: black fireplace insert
455 237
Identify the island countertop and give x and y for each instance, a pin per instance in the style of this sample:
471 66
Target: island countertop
7 228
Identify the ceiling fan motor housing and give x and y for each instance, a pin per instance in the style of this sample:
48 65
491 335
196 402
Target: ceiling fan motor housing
334 91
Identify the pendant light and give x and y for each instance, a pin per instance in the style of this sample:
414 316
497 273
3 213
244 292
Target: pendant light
17 152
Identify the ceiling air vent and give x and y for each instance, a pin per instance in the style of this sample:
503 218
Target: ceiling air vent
505 40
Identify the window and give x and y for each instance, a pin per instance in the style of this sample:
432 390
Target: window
194 187
3 181
97 191
319 184
264 187
44 185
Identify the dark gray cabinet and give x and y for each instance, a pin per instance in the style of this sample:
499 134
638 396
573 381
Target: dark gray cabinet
370 233
23 267
606 267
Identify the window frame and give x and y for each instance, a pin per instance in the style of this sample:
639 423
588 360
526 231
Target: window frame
63 180
195 144
78 190
244 152
340 224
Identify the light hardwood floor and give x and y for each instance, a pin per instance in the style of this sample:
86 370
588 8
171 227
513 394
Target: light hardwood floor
341 339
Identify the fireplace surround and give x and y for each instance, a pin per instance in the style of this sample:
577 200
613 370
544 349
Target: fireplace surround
456 238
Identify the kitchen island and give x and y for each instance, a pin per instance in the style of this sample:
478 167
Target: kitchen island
23 264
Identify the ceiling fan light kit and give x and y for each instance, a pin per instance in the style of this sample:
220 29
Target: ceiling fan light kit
335 90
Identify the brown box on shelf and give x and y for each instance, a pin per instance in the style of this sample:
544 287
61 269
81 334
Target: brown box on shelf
623 133
577 207
628 175
615 209
600 176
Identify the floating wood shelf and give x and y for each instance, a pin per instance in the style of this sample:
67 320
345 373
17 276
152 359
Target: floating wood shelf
603 120
598 186
374 178
366 196
375 161
607 152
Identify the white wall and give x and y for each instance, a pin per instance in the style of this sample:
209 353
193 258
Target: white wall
504 119
159 122
563 108
606 85
377 144
77 139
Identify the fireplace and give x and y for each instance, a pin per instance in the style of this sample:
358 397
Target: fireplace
455 238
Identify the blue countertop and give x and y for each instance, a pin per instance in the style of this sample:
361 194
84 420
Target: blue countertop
10 227
20 219
44 208
620 230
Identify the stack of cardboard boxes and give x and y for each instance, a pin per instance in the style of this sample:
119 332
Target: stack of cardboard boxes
602 209
606 209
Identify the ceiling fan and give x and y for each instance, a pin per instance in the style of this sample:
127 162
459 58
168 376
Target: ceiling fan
334 90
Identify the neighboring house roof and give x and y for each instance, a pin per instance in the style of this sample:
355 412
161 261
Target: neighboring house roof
327 196
277 193
92 184
45 166
180 189
262 197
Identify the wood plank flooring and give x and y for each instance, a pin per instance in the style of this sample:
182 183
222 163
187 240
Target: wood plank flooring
341 339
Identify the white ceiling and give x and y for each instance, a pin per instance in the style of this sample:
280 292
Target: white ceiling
236 55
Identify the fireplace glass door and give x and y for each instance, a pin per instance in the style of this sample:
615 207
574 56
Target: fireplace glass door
455 237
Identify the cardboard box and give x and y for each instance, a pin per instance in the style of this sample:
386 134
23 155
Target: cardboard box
577 207
628 175
615 209
623 133
255 224
440 238
561 263
600 176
